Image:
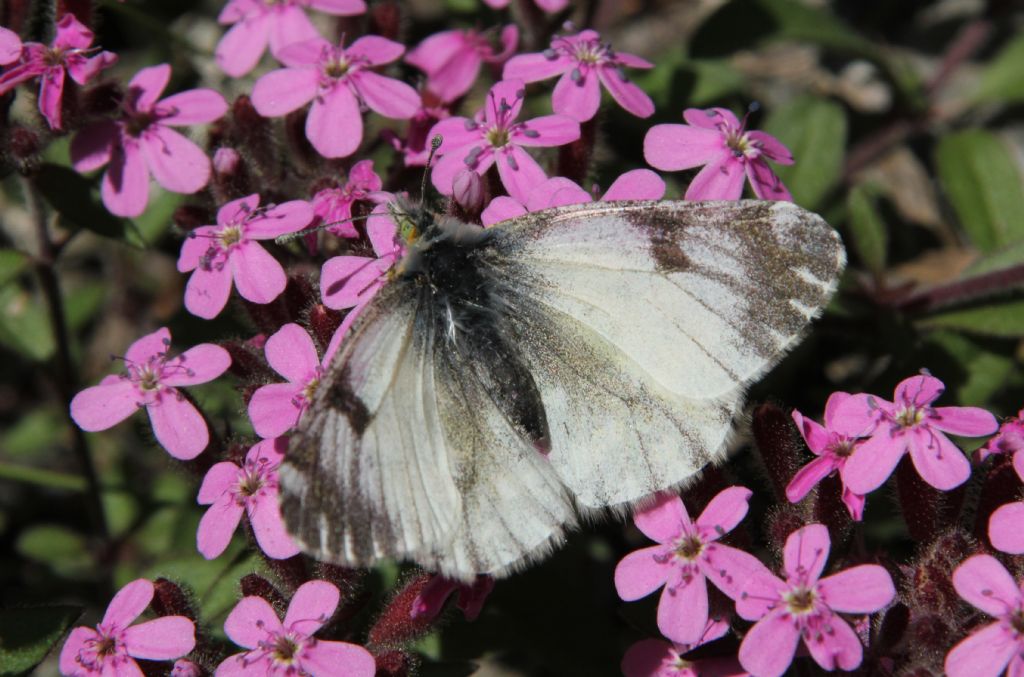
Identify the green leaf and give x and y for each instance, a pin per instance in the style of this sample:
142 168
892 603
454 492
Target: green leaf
62 549
24 325
815 131
1004 257
27 635
76 200
867 230
156 220
1004 320
34 434
12 264
83 302
1003 78
985 372
981 180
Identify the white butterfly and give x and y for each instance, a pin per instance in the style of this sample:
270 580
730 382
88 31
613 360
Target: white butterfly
508 379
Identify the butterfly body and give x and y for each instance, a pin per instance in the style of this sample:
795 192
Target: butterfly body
507 379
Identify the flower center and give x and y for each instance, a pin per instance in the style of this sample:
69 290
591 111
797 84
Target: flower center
284 649
909 417
54 56
148 379
689 548
337 67
800 600
136 123
251 482
739 143
229 235
1017 621
842 448
590 52
497 136
310 389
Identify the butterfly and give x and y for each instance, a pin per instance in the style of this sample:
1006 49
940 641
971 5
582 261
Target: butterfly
508 380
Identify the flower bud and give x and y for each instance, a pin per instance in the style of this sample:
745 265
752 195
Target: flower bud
226 161
396 626
170 600
254 585
186 668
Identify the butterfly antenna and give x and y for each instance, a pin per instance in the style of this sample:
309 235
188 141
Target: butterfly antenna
435 143
288 237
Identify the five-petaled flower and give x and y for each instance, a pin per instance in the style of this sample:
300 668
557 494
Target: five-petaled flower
110 647
1004 525
230 490
289 648
493 136
151 382
230 251
688 554
334 205
337 80
279 23
805 606
69 54
142 142
910 423
985 583
276 407
832 449
716 139
452 59
10 46
585 63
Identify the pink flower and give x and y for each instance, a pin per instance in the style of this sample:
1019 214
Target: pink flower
281 23
351 281
142 142
583 60
252 489
550 6
985 583
150 383
832 450
185 668
275 408
452 59
69 54
805 607
658 658
493 136
229 251
289 648
1009 439
429 603
715 138
1004 525
334 205
636 184
909 423
337 81
686 556
415 147
108 649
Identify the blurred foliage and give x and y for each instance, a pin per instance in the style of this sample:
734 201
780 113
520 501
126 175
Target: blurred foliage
906 123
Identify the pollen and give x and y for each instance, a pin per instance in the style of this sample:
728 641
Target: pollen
690 548
800 600
229 235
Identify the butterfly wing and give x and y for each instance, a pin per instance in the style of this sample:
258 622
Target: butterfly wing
642 322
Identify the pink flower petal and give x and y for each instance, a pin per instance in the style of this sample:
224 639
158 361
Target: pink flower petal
305 53
642 572
511 92
287 217
632 61
452 162
964 421
150 82
627 94
177 164
284 90
335 125
861 589
806 551
578 99
194 107
675 147
500 209
985 652
348 281
871 462
683 610
218 479
339 658
519 173
534 67
237 210
272 409
550 130
759 595
636 184
724 512
730 569
125 185
218 525
1004 528
289 26
268 528
248 623
10 46
648 658
383 232
854 504
720 180
664 520
436 51
148 346
376 50
816 437
919 390
555 192
177 426
768 648
129 603
199 364
312 606
243 665
838 647
832 405
258 275
456 134
711 118
207 292
808 476
104 406
68 663
339 7
456 76
857 415
93 147
766 185
939 462
240 49
161 639
51 89
985 583
291 353
771 147
389 97
197 243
